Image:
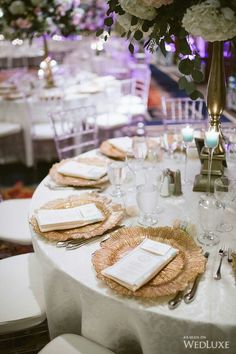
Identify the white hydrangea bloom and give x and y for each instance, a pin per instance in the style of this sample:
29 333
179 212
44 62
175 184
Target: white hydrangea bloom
138 8
210 22
125 22
158 3
17 8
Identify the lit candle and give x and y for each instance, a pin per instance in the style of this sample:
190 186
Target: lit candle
211 139
187 133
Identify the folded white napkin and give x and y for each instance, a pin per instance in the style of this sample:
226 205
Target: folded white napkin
123 144
60 219
81 170
141 264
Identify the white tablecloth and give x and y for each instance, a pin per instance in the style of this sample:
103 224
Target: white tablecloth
77 302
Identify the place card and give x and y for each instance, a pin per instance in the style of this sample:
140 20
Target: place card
141 264
61 219
81 170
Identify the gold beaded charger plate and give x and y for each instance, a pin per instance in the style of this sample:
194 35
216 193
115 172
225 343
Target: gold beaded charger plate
61 179
113 214
109 150
174 277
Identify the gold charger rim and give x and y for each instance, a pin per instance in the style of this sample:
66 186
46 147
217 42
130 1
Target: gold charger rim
109 150
113 213
194 260
63 180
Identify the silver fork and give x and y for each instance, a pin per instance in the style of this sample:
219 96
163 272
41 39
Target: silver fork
222 253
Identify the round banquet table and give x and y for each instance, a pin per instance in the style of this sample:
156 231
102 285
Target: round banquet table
77 302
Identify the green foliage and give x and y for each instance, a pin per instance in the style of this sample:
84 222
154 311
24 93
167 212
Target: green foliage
166 27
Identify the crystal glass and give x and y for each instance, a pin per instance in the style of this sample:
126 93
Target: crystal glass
225 193
187 134
208 208
147 197
135 165
117 175
153 175
140 148
170 143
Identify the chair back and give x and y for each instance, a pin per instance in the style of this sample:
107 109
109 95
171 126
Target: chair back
183 111
141 74
75 131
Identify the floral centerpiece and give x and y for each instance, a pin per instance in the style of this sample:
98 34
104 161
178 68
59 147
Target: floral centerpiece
30 18
34 18
157 22
94 13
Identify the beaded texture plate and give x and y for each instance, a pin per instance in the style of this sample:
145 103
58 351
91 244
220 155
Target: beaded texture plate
174 277
113 214
76 181
109 150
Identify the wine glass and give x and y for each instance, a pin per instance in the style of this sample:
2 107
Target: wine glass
187 134
170 142
116 174
225 193
147 197
208 208
211 142
140 148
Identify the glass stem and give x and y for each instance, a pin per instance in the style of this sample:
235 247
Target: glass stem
118 189
186 162
211 151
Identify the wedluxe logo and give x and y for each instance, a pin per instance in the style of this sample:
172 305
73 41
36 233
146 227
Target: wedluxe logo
196 342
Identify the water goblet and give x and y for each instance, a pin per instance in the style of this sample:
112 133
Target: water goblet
208 208
147 197
187 134
140 148
116 174
225 193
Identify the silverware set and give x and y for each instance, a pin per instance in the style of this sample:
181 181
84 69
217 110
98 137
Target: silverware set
188 296
77 243
223 252
57 187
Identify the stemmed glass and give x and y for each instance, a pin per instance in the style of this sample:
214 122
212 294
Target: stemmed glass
170 142
140 148
225 193
147 197
187 134
116 174
208 208
136 157
211 142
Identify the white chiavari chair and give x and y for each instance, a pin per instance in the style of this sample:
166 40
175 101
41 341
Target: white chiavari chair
22 310
18 230
183 111
73 344
75 130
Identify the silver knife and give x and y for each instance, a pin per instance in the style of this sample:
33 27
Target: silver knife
190 295
175 302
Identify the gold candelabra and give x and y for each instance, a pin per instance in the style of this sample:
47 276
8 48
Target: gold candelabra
216 99
46 66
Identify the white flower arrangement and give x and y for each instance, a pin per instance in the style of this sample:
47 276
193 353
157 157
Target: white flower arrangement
138 8
29 18
160 22
211 22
